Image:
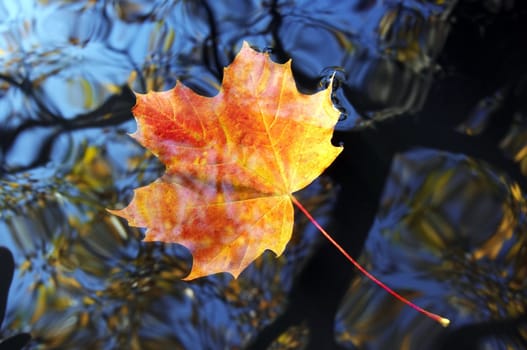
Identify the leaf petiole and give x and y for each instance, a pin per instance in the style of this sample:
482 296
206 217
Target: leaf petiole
441 320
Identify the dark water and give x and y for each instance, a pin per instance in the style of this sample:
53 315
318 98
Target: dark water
429 190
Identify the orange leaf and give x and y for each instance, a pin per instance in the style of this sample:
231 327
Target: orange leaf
232 162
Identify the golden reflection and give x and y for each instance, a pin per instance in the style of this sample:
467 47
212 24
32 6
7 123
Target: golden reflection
514 145
83 267
457 239
493 246
294 338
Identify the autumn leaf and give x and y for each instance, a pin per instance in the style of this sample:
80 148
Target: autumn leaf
232 162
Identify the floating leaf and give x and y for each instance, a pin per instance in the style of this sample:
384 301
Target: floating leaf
232 162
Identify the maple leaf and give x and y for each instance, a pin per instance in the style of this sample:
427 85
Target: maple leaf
232 162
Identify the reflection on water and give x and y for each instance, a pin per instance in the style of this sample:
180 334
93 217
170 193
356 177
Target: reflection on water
63 68
386 49
514 144
451 235
83 278
481 114
294 338
7 262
